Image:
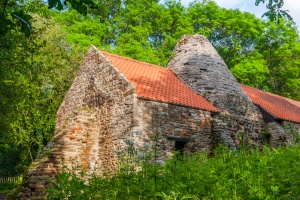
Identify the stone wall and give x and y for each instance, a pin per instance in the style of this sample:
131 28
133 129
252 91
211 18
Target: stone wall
175 122
95 117
198 65
291 127
282 133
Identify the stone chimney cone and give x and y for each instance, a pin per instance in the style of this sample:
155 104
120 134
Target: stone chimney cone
198 64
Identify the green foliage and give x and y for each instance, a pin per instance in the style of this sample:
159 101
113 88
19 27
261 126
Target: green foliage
252 72
14 14
81 6
83 31
241 174
14 17
33 82
8 187
279 45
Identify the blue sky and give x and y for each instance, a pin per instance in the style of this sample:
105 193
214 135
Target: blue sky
249 5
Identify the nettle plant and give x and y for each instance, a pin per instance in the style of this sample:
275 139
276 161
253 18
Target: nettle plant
131 160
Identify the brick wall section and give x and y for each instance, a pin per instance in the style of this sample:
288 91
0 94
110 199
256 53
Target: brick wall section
94 118
198 65
177 122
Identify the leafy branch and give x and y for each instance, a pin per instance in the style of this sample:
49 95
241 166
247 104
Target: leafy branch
275 11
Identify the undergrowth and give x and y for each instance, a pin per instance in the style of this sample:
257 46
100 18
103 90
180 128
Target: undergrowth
242 174
8 187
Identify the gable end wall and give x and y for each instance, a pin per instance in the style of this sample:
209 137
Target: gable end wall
95 117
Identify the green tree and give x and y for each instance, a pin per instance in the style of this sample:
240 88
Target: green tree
149 31
83 31
35 73
15 16
280 47
252 71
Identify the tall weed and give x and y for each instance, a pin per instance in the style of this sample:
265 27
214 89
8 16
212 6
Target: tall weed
242 174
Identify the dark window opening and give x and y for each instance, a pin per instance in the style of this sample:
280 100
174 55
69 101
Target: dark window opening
179 146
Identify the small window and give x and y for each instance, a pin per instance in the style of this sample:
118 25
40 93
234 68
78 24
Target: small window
179 146
179 143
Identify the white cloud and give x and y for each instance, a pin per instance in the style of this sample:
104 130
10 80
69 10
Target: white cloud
294 7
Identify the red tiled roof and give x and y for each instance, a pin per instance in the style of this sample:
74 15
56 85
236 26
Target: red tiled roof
297 103
281 107
159 84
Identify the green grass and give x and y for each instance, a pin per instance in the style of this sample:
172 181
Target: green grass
242 174
7 187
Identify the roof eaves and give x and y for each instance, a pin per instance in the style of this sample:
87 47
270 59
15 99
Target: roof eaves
276 117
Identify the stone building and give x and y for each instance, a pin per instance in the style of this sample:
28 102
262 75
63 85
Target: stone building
192 105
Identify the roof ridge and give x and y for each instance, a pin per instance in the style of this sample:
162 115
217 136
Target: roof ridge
131 59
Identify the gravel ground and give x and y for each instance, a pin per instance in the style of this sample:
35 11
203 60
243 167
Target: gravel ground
2 196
